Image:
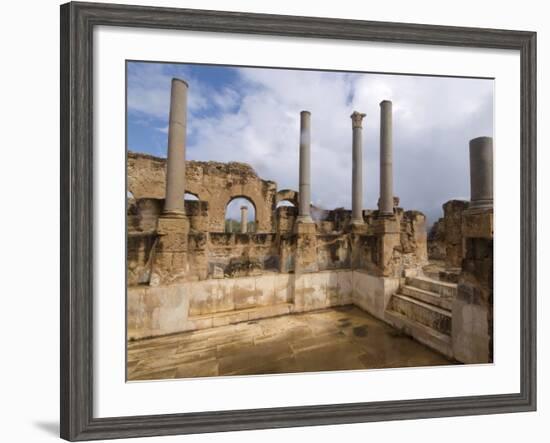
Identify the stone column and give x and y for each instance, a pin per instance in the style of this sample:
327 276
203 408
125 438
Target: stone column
481 173
174 205
386 159
244 219
304 215
357 168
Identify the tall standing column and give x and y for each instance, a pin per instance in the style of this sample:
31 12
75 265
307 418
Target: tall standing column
386 158
357 168
304 215
244 219
174 204
481 173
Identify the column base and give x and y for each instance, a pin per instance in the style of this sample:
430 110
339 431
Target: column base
173 214
477 223
387 224
304 219
305 228
358 228
480 205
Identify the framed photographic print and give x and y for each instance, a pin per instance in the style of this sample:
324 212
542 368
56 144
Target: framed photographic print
272 221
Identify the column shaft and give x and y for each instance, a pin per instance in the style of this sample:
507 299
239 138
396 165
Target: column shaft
244 219
304 215
386 158
174 204
481 173
357 168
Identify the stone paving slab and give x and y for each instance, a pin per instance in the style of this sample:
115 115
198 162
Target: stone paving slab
341 338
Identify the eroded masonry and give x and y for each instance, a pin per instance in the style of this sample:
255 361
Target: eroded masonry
188 271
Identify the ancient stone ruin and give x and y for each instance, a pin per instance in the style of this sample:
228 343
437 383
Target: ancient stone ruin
187 271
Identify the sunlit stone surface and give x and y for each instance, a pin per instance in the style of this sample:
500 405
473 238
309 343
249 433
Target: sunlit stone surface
332 339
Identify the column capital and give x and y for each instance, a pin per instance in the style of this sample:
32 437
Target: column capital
357 119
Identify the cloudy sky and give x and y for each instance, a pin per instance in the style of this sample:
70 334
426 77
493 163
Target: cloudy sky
252 115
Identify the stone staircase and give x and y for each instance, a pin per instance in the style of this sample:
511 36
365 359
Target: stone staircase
422 309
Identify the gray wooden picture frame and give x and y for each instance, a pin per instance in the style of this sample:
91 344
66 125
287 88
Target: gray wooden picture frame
77 24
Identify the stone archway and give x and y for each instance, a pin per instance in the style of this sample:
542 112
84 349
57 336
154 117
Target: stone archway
212 182
234 214
287 195
191 196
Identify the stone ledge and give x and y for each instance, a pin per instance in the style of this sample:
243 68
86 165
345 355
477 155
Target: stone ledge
231 317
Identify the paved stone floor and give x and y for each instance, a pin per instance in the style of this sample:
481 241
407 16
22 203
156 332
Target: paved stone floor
331 339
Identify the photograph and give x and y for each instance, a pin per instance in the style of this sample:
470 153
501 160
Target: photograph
283 220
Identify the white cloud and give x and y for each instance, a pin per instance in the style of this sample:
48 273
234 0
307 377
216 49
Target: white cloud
149 91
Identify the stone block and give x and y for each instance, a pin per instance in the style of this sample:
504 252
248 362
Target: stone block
385 225
269 311
170 225
154 311
244 293
305 228
284 288
211 296
217 272
471 336
173 242
477 224
373 293
264 287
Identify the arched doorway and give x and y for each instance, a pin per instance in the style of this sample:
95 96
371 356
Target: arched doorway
285 203
240 215
191 197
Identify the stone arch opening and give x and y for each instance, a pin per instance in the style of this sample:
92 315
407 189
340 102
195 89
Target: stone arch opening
240 215
287 195
282 203
190 196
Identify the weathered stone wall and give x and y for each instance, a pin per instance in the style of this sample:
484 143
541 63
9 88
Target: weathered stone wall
454 238
437 249
285 217
325 245
143 215
333 251
446 239
413 239
139 248
472 329
237 255
185 251
390 246
154 311
287 195
212 182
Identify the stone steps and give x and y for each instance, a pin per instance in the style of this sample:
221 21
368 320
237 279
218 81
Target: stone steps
422 308
431 273
432 298
429 284
429 315
421 333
